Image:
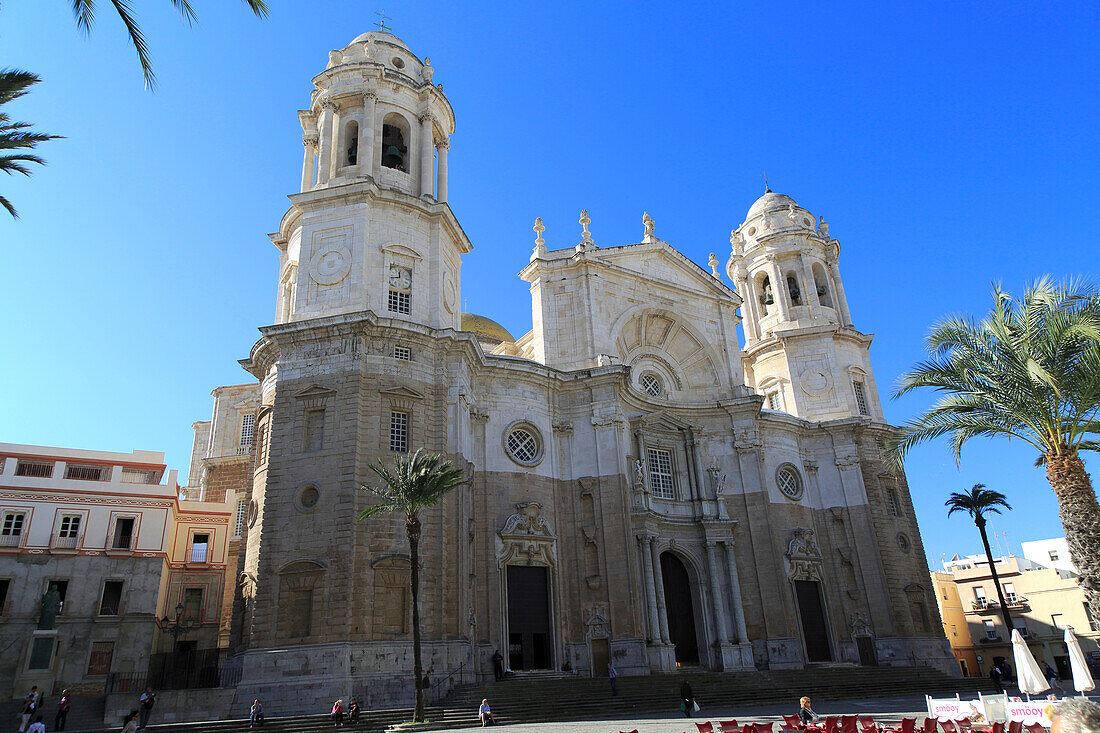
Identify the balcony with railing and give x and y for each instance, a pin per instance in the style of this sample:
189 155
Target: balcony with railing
9 540
984 605
66 543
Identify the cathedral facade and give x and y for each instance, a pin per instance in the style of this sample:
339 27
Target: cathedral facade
644 490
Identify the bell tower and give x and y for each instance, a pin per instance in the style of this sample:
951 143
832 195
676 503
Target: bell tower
370 227
801 350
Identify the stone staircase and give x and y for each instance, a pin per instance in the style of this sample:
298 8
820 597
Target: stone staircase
523 699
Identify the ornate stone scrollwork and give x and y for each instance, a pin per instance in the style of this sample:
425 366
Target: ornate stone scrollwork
526 538
563 426
608 421
803 556
328 102
596 623
747 439
477 414
847 460
860 625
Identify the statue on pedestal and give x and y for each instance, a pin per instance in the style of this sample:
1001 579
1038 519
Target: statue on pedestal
51 605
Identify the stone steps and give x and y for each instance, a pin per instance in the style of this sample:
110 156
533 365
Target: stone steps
86 713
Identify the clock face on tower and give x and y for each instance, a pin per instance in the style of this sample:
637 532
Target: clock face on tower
400 278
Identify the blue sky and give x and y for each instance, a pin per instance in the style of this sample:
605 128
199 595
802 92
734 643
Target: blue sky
948 145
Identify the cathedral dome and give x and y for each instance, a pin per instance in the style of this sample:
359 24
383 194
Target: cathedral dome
486 329
770 201
379 36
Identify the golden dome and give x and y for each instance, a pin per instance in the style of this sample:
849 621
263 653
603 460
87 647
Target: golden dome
486 329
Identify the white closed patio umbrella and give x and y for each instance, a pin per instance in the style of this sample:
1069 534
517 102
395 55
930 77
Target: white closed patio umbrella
1029 678
1082 678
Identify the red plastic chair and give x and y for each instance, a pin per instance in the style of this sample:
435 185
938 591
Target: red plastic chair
867 724
730 726
908 725
748 728
931 725
1015 726
792 722
848 724
763 727
949 727
998 727
705 727
1035 728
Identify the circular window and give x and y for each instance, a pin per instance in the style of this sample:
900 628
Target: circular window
307 498
523 444
903 543
398 62
253 513
651 385
752 231
789 482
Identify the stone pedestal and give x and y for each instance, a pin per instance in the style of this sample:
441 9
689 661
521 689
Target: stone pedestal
736 657
662 657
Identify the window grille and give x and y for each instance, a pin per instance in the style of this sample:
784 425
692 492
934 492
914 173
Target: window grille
199 547
400 302
523 445
124 533
402 352
69 531
789 483
659 463
112 598
990 629
774 401
892 503
651 385
248 424
238 521
140 476
35 469
861 399
87 473
399 432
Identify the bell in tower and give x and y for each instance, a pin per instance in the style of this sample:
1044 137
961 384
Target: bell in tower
394 149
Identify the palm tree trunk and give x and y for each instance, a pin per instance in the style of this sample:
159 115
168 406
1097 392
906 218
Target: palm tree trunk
1080 515
996 580
412 529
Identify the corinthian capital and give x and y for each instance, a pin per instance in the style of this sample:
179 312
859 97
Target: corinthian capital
310 141
328 102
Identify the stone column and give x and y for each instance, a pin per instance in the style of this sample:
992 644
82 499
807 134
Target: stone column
809 288
366 135
337 159
309 142
751 322
441 188
427 175
735 591
838 291
721 624
779 288
325 143
653 624
659 583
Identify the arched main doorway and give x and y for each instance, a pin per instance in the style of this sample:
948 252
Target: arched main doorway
679 609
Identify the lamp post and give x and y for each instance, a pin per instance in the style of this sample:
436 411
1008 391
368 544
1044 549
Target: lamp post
178 627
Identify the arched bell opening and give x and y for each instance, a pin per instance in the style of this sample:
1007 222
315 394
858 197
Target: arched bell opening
395 146
681 607
764 292
793 289
351 143
821 282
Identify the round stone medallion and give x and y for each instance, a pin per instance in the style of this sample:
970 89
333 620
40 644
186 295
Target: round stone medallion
814 382
448 294
330 266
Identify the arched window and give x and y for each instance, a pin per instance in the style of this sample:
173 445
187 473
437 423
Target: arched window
793 289
395 150
821 282
351 142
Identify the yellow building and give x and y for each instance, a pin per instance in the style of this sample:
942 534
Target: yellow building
955 624
1042 602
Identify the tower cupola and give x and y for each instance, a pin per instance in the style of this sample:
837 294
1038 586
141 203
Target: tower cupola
375 112
784 264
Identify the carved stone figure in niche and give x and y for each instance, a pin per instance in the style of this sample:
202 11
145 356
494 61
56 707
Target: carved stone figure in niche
50 607
639 475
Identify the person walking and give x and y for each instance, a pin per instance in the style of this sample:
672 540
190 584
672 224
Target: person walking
612 675
256 714
687 698
485 714
1052 677
498 666
30 704
995 675
426 684
338 713
129 723
145 704
63 706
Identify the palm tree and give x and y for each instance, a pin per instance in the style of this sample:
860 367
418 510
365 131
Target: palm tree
1029 370
84 12
978 502
16 136
418 482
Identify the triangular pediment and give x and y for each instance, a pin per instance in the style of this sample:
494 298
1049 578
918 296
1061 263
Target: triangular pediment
676 268
402 392
660 420
314 390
